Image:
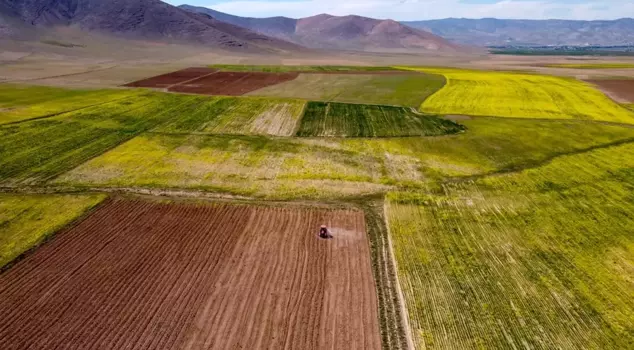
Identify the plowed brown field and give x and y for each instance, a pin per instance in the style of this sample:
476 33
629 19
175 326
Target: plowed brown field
169 79
233 83
147 275
620 90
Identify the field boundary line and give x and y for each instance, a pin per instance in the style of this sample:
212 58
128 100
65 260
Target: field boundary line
187 81
544 162
62 75
399 290
64 112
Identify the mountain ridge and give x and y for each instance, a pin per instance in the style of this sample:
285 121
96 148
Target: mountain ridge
527 32
350 32
136 19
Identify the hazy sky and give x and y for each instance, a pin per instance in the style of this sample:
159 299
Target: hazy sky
425 9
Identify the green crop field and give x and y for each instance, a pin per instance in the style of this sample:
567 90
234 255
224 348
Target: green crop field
603 65
19 103
297 68
243 116
38 150
541 258
284 168
26 220
511 228
354 120
516 95
398 90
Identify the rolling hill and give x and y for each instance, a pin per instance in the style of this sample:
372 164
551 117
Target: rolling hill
492 31
334 32
135 19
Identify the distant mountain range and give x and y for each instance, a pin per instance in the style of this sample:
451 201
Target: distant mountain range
491 31
334 32
156 20
134 19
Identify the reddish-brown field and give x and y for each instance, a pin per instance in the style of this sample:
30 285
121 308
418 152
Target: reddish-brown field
169 79
148 275
621 90
233 83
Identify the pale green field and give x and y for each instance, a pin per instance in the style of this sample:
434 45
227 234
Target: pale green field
542 258
334 168
517 95
238 115
26 220
396 90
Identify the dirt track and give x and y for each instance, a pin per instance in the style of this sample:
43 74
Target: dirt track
169 79
144 275
233 83
621 90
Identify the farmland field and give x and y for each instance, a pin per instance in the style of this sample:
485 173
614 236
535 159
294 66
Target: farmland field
400 90
621 90
354 120
26 221
300 68
141 275
540 258
232 83
332 168
39 150
169 79
245 116
516 95
604 65
19 103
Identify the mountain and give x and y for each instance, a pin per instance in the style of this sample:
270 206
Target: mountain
333 32
137 19
491 31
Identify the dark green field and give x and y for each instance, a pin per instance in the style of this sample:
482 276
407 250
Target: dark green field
355 120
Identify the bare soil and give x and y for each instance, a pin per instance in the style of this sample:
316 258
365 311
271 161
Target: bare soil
621 90
233 83
169 79
148 275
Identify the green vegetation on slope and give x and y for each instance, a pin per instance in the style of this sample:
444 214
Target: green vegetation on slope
238 115
398 90
281 69
26 220
27 102
517 95
541 258
354 120
284 168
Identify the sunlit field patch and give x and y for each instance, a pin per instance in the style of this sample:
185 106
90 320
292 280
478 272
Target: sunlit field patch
542 257
517 95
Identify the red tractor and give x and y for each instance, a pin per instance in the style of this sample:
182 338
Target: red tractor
324 232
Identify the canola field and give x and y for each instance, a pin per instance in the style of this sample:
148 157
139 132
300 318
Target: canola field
541 258
518 95
353 120
26 220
